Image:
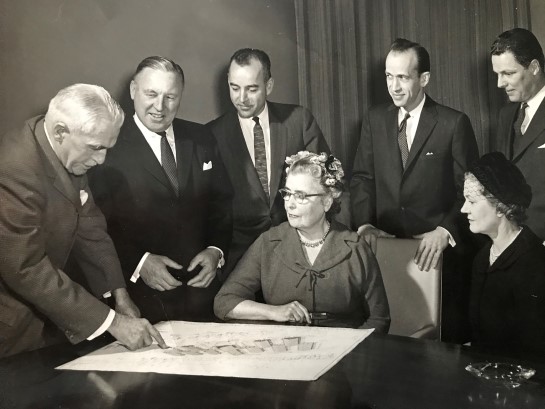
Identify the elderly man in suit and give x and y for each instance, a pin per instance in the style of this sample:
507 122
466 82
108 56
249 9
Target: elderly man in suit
47 214
517 59
167 200
409 167
254 140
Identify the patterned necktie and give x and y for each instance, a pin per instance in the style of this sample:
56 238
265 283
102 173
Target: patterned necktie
168 162
517 125
260 156
402 140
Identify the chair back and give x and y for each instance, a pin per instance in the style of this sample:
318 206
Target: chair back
414 295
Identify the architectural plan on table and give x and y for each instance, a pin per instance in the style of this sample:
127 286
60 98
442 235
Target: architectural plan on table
236 350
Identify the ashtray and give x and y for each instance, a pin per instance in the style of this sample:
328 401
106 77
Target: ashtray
501 373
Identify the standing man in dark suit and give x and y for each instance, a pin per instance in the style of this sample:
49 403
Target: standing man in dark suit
47 214
167 200
409 168
254 140
517 59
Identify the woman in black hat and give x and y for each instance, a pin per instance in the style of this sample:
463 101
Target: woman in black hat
507 307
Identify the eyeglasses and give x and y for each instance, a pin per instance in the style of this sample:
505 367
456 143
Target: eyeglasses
300 197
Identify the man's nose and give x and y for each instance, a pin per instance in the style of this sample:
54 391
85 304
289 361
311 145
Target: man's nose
501 82
243 95
100 157
159 104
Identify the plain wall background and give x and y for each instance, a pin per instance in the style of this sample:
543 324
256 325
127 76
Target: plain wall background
47 45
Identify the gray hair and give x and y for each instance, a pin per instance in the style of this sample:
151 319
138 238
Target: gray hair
162 64
87 107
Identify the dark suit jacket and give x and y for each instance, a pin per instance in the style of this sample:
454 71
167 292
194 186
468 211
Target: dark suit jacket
42 223
429 192
293 129
142 210
529 158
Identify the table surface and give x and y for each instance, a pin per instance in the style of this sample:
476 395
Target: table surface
384 371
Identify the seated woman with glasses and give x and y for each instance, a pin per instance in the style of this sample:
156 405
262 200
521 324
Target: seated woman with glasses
507 307
310 269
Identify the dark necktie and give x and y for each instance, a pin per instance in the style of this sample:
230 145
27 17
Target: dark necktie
402 140
260 156
517 125
168 162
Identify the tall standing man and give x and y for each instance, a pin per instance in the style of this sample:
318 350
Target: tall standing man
408 173
47 214
167 200
517 59
254 140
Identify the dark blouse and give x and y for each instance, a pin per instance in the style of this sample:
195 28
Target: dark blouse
507 307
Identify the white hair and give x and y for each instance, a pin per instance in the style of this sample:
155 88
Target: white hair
86 107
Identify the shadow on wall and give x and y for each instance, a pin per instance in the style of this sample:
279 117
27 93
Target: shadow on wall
222 99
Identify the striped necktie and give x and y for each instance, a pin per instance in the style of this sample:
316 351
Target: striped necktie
402 140
517 125
168 162
260 156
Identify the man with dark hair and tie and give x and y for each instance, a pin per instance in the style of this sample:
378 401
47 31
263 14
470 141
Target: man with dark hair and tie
517 59
254 140
408 173
167 200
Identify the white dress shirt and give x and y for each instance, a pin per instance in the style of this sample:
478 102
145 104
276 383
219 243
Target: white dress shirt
412 121
533 105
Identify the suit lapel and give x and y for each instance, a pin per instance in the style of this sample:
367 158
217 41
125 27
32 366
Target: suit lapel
184 155
506 142
537 125
425 126
391 125
134 139
56 171
278 140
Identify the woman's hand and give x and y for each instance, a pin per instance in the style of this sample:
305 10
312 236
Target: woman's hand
292 312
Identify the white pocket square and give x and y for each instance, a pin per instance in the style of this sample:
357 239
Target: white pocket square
83 196
429 153
541 147
207 165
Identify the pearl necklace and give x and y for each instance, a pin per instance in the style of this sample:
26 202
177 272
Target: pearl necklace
315 243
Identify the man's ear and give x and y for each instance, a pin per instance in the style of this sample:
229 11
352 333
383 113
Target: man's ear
534 67
424 79
60 131
269 86
132 89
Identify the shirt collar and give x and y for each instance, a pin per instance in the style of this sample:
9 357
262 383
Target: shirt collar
415 113
263 118
151 134
535 101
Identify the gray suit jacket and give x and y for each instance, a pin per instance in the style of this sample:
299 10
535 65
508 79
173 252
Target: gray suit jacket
42 223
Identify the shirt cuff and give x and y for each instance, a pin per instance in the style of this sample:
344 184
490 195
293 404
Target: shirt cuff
136 274
451 240
221 261
105 325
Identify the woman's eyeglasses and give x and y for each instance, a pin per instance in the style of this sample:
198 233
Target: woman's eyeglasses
300 197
